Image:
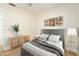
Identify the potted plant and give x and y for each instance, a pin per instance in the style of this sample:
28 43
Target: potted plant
16 28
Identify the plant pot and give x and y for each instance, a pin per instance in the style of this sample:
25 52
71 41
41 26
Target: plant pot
16 34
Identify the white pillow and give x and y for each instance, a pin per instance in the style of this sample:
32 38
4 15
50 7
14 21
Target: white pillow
44 36
54 38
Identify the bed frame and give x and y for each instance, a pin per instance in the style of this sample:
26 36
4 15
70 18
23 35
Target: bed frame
47 31
55 32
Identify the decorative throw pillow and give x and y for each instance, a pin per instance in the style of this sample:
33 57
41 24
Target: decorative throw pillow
44 36
54 38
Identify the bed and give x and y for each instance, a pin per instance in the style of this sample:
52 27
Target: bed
40 47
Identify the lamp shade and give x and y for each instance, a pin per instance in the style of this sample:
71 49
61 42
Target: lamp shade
72 32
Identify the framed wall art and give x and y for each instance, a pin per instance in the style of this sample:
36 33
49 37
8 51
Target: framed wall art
56 21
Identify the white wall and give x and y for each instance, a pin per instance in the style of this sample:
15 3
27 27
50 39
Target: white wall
70 13
11 16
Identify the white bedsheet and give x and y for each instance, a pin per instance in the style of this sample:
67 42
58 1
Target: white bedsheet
37 51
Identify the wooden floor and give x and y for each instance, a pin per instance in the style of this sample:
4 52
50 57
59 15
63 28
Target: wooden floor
17 51
69 53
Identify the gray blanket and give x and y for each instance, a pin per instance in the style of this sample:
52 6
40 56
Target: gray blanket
47 47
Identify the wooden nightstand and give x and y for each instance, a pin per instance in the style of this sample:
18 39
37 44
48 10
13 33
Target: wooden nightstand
18 41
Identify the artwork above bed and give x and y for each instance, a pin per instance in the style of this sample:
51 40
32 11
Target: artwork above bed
56 21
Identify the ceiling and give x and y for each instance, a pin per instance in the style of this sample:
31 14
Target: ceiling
36 7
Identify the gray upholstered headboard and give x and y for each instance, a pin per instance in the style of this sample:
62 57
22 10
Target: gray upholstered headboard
55 32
